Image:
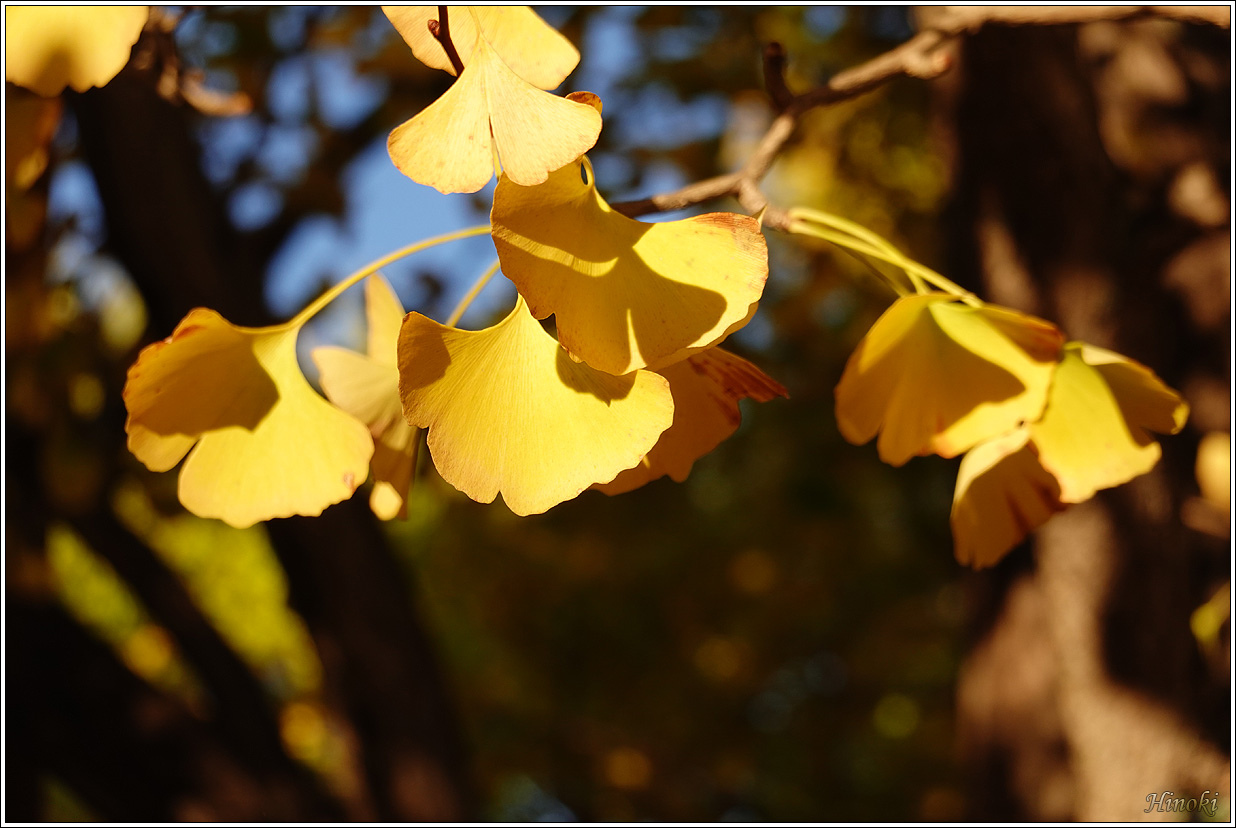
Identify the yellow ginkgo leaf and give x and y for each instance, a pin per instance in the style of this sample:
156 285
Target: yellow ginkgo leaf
509 411
1094 433
49 47
1002 495
492 115
934 375
532 48
267 445
625 294
706 387
367 387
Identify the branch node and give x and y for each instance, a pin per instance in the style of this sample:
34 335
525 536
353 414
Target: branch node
441 30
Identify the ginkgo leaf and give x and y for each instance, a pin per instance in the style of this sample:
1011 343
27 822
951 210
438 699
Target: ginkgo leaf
367 387
267 445
532 48
49 47
625 294
934 375
1002 495
1094 433
490 114
507 410
706 388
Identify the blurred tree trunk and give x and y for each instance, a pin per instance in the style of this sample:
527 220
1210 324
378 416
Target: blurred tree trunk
84 713
1090 168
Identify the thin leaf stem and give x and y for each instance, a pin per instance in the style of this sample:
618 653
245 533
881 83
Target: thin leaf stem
373 267
849 244
860 239
472 293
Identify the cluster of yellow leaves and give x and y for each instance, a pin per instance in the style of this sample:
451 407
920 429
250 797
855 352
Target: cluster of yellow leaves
512 410
634 385
633 388
1044 423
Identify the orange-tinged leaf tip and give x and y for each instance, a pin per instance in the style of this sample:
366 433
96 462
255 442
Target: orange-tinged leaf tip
1002 495
263 443
1094 433
590 98
508 411
934 375
707 388
532 48
47 48
625 294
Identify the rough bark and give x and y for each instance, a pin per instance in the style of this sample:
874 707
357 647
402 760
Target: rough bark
1086 691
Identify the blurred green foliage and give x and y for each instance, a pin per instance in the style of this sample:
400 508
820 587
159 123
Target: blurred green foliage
104 604
233 576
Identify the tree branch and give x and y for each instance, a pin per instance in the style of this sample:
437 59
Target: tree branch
927 55
441 30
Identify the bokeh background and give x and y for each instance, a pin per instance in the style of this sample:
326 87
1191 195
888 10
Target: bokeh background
785 636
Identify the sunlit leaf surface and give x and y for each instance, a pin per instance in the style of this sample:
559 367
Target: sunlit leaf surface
531 48
492 116
267 445
625 294
1095 431
935 376
509 411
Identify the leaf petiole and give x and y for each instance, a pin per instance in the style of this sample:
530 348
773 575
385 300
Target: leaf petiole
373 267
855 237
472 293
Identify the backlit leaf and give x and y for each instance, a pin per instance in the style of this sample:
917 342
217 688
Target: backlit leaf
625 294
533 49
509 411
491 116
267 445
934 375
1094 432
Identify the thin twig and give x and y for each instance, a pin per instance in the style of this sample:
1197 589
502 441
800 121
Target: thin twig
927 55
774 76
441 30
